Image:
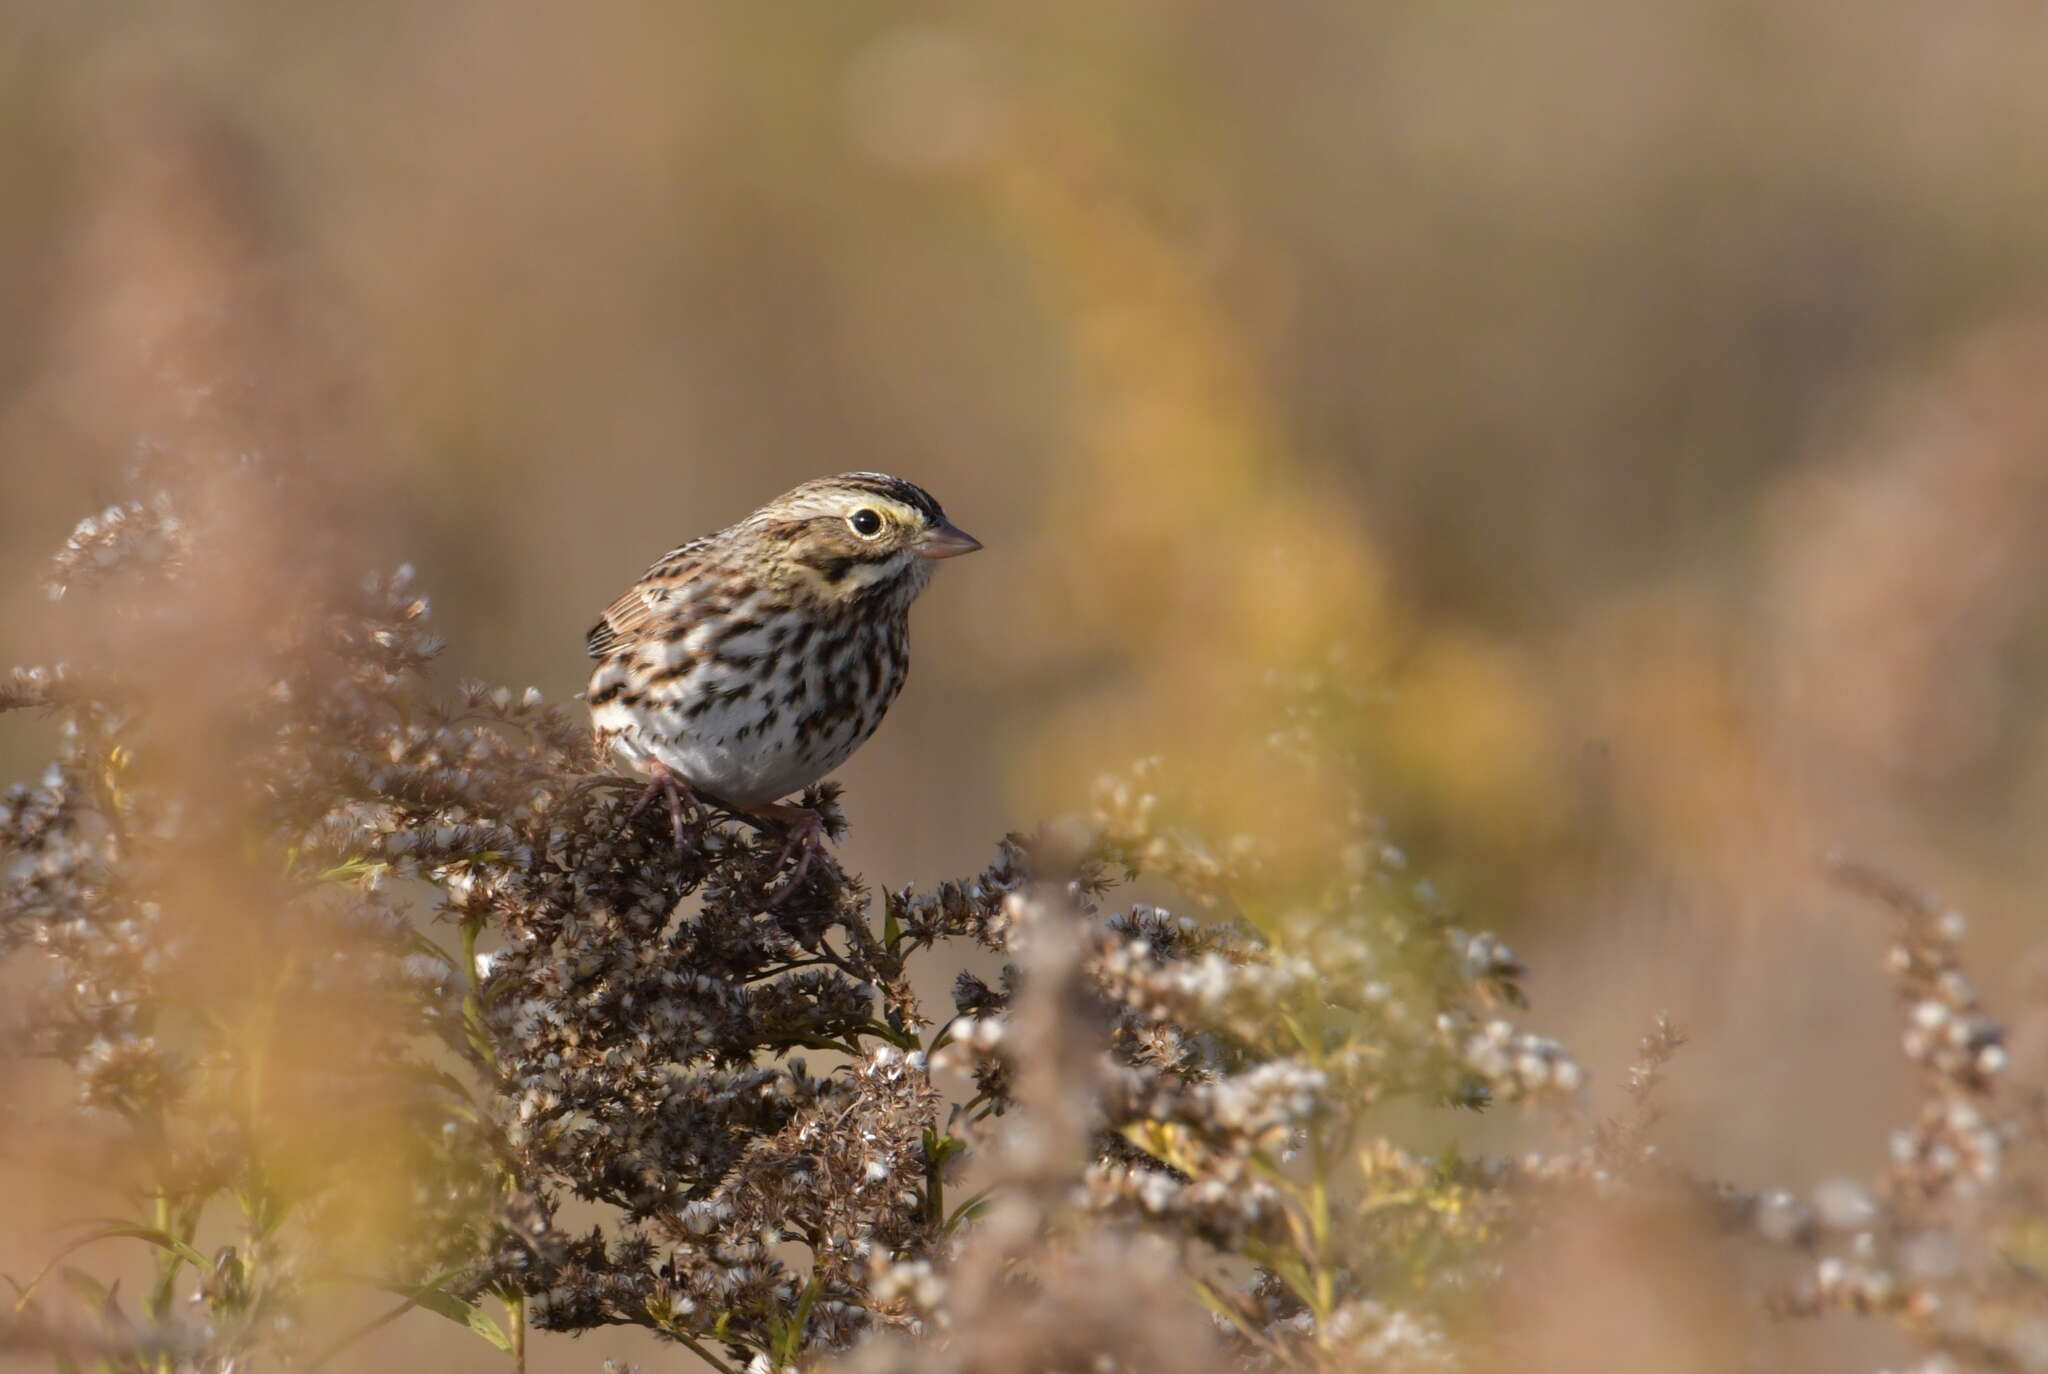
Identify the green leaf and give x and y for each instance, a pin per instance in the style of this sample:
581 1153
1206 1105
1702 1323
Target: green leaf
106 1299
421 943
455 1310
970 1209
110 1230
350 869
1214 1301
1290 1269
427 1076
95 1292
160 1239
792 1336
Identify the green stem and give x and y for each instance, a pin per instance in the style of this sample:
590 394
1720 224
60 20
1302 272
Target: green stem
167 1275
944 1035
480 1040
803 1316
901 1039
472 1000
1319 1229
697 1348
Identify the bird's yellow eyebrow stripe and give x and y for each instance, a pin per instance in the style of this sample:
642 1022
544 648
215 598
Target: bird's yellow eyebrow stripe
893 509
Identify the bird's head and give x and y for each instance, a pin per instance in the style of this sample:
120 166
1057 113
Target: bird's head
858 536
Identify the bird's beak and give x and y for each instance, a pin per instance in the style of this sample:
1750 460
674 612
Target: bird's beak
946 541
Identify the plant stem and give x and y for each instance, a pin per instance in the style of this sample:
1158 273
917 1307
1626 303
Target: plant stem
168 1261
472 1000
1319 1229
515 1318
473 1019
697 1348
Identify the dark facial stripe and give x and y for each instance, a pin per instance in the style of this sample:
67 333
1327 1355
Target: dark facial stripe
835 566
896 489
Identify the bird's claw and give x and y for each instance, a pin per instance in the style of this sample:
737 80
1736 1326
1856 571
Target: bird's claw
681 799
805 841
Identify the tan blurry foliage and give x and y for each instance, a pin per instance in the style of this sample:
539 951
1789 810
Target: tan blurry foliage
1911 557
1192 557
192 342
1870 682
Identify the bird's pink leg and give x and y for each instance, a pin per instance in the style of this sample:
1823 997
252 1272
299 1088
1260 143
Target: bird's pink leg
666 783
804 839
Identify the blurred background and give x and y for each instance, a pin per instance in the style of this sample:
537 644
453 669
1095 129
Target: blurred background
1644 402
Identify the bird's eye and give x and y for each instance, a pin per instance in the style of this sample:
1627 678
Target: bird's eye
866 523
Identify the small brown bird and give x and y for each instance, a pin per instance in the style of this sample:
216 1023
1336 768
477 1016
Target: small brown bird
750 663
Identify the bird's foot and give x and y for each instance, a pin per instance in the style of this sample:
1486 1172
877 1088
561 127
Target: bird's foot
682 800
803 839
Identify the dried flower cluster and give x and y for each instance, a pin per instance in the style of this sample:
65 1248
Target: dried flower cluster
259 893
750 1095
1948 1244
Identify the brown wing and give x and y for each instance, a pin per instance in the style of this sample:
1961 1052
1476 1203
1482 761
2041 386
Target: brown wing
655 599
